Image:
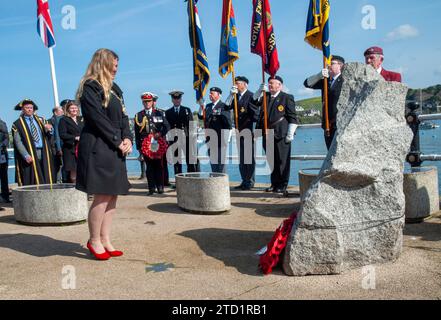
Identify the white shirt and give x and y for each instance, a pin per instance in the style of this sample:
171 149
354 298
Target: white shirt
380 69
335 78
275 95
215 103
242 93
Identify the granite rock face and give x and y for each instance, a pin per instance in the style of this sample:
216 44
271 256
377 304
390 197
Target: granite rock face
353 215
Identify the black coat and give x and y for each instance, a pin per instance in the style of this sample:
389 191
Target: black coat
101 166
217 119
281 112
333 95
37 172
181 120
247 111
145 124
68 130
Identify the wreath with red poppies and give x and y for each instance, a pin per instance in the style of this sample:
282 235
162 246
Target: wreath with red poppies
154 148
277 245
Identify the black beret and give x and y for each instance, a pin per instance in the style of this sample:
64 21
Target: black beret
276 78
20 105
216 89
242 78
338 58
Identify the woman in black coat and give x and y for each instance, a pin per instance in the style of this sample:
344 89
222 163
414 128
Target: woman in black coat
104 144
70 128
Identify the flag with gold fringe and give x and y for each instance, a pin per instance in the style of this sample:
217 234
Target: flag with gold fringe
200 60
317 27
229 49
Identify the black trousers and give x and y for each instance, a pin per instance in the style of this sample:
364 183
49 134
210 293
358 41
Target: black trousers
247 161
4 181
282 163
143 169
191 167
219 165
155 173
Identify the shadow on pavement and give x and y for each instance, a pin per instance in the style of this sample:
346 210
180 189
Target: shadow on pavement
167 207
235 248
42 246
270 210
10 219
428 231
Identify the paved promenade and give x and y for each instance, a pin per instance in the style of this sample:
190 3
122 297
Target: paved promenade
170 254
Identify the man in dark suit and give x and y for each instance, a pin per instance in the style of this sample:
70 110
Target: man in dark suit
179 118
247 115
152 121
283 120
335 83
4 143
375 57
218 119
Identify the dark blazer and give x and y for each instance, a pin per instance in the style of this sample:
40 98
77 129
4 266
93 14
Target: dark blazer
218 119
4 135
101 166
181 120
247 111
333 95
68 130
390 75
281 112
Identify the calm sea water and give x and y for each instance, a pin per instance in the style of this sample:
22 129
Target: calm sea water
308 141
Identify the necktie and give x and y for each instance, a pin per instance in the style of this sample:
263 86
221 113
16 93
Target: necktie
332 82
176 110
34 131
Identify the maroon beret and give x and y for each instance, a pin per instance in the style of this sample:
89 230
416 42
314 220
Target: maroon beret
373 50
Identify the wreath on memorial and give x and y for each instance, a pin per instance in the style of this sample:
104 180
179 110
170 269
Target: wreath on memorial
275 247
154 148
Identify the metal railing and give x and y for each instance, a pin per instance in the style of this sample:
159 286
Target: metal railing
414 120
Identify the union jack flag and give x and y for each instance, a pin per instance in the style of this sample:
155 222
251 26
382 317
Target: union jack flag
44 23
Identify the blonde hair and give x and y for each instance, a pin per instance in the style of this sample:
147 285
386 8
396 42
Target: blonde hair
100 69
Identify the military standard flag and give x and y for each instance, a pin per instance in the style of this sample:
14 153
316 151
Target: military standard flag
263 39
317 27
229 49
200 60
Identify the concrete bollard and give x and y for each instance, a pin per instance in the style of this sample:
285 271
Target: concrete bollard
56 204
306 178
203 193
421 192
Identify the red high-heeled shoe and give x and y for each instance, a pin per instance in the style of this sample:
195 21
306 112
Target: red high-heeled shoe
99 256
114 253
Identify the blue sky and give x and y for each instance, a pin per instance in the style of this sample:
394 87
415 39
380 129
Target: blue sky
151 39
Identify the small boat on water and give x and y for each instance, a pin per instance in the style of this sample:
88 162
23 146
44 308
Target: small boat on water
428 125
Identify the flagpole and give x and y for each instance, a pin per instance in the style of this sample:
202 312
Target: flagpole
236 115
325 101
194 51
54 77
265 103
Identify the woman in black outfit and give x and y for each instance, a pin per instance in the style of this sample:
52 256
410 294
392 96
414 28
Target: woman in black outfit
69 128
104 144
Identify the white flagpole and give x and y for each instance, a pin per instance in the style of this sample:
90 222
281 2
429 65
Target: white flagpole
54 77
